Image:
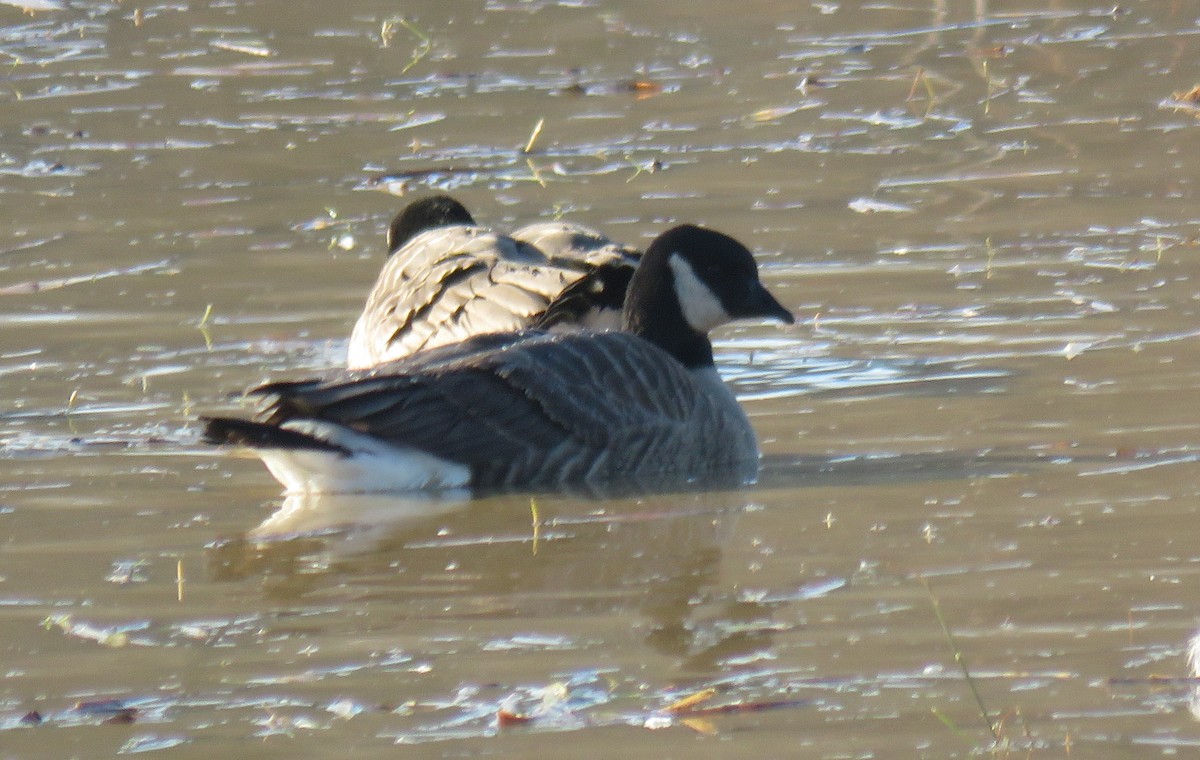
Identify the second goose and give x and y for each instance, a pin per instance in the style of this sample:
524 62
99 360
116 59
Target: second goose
448 279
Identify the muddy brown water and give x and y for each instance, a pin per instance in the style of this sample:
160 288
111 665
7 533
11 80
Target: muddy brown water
983 213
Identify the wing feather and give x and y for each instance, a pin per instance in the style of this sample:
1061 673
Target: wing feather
437 289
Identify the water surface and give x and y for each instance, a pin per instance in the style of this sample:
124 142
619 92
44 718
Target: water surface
983 214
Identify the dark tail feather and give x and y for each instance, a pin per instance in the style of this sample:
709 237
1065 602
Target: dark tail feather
288 401
221 431
602 288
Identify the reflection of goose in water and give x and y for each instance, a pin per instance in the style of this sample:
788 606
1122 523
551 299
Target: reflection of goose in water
353 523
652 558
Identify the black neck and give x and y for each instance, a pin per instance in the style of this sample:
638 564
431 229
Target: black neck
692 349
652 311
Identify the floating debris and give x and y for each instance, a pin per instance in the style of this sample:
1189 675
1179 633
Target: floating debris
533 136
773 114
37 286
690 701
1188 100
1191 96
551 703
387 31
110 710
262 51
150 743
639 88
642 88
109 637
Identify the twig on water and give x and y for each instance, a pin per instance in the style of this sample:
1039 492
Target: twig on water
387 31
947 722
962 663
533 136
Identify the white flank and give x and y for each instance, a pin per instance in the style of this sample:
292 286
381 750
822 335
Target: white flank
701 307
371 467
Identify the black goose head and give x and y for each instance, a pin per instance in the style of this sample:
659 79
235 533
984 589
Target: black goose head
690 280
425 214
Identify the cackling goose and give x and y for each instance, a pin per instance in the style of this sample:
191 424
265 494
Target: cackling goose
534 408
448 279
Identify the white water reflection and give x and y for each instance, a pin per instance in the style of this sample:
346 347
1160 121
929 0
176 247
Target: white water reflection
352 523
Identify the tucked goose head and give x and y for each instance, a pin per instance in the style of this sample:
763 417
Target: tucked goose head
425 214
690 280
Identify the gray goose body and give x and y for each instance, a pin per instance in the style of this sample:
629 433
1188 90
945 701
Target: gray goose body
523 410
448 279
534 408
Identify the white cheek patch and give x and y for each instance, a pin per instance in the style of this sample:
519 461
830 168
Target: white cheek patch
701 307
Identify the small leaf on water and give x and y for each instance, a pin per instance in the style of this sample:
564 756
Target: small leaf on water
691 701
642 88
